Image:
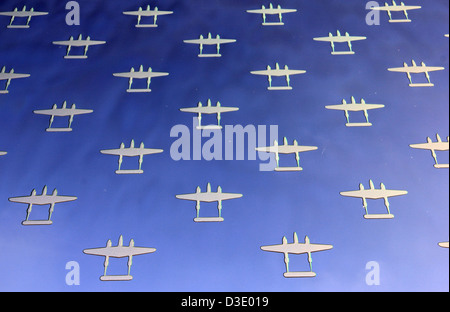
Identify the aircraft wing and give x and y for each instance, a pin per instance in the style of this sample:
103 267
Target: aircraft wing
78 43
147 13
23 13
195 41
131 151
221 41
266 72
340 38
354 107
209 109
437 146
209 41
396 8
118 251
415 69
149 151
373 194
271 11
5 76
286 149
296 248
277 72
42 199
79 111
140 75
291 72
62 112
208 196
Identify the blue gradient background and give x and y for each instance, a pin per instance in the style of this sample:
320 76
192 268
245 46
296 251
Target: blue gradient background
224 256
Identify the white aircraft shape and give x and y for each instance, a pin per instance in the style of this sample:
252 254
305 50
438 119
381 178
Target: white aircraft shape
415 69
2 153
147 13
272 11
433 147
355 107
42 199
62 112
340 39
118 251
397 8
78 43
297 248
24 13
209 109
131 152
287 149
443 244
373 193
208 197
277 72
217 41
141 74
8 77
